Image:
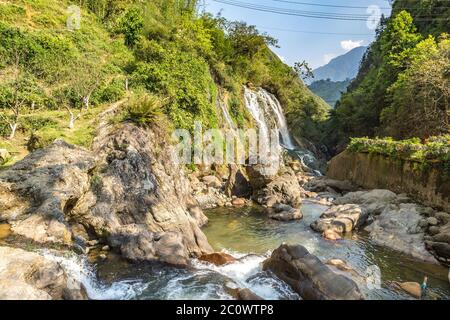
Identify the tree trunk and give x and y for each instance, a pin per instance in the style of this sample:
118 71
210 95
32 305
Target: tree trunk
126 84
72 121
86 101
13 130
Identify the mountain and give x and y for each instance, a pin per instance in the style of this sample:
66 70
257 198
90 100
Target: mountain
341 68
329 91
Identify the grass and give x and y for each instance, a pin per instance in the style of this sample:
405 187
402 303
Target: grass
52 124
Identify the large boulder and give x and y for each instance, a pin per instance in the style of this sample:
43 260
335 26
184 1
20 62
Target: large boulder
237 183
373 201
309 277
30 276
398 227
323 184
283 188
283 212
341 219
129 192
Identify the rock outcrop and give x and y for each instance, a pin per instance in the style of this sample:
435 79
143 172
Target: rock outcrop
128 192
341 219
268 190
398 227
30 276
284 212
309 277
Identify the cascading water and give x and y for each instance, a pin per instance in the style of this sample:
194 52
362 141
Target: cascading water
268 113
226 115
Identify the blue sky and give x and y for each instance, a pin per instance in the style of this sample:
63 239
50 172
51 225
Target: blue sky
317 49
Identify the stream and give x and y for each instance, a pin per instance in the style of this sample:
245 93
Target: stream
250 236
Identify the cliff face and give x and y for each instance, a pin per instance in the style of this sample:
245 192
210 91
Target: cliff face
428 185
127 192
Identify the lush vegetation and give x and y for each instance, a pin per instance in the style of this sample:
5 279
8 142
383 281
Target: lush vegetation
435 150
403 86
329 91
58 74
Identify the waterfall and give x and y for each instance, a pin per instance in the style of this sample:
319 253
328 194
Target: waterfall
268 113
252 104
226 114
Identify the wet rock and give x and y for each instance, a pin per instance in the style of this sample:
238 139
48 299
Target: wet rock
218 258
30 276
340 264
411 288
397 227
248 295
237 183
283 212
331 235
238 202
341 219
309 277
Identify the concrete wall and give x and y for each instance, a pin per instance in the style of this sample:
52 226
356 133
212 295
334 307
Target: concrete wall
429 186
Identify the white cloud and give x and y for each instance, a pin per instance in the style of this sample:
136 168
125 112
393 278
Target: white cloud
328 57
350 44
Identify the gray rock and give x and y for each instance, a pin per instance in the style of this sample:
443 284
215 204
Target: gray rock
30 276
130 182
398 228
323 184
309 277
341 219
282 212
432 221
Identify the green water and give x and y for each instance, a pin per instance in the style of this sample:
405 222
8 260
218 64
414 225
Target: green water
248 230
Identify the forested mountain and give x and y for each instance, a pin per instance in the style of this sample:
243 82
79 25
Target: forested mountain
60 64
328 90
402 88
341 68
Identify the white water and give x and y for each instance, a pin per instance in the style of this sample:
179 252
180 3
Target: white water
226 114
262 104
79 269
205 282
268 113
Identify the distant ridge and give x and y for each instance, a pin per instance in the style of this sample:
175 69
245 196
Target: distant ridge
341 68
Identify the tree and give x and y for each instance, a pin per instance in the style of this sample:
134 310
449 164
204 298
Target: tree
131 25
17 93
421 95
303 70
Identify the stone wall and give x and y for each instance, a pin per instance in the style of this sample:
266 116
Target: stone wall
370 171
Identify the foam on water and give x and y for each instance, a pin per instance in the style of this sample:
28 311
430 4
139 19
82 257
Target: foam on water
79 269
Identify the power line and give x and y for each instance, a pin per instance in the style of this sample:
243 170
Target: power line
316 32
327 5
309 14
346 6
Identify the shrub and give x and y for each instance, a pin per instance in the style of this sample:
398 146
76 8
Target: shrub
144 110
435 150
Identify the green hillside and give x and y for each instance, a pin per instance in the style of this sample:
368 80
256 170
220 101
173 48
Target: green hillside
403 86
55 80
